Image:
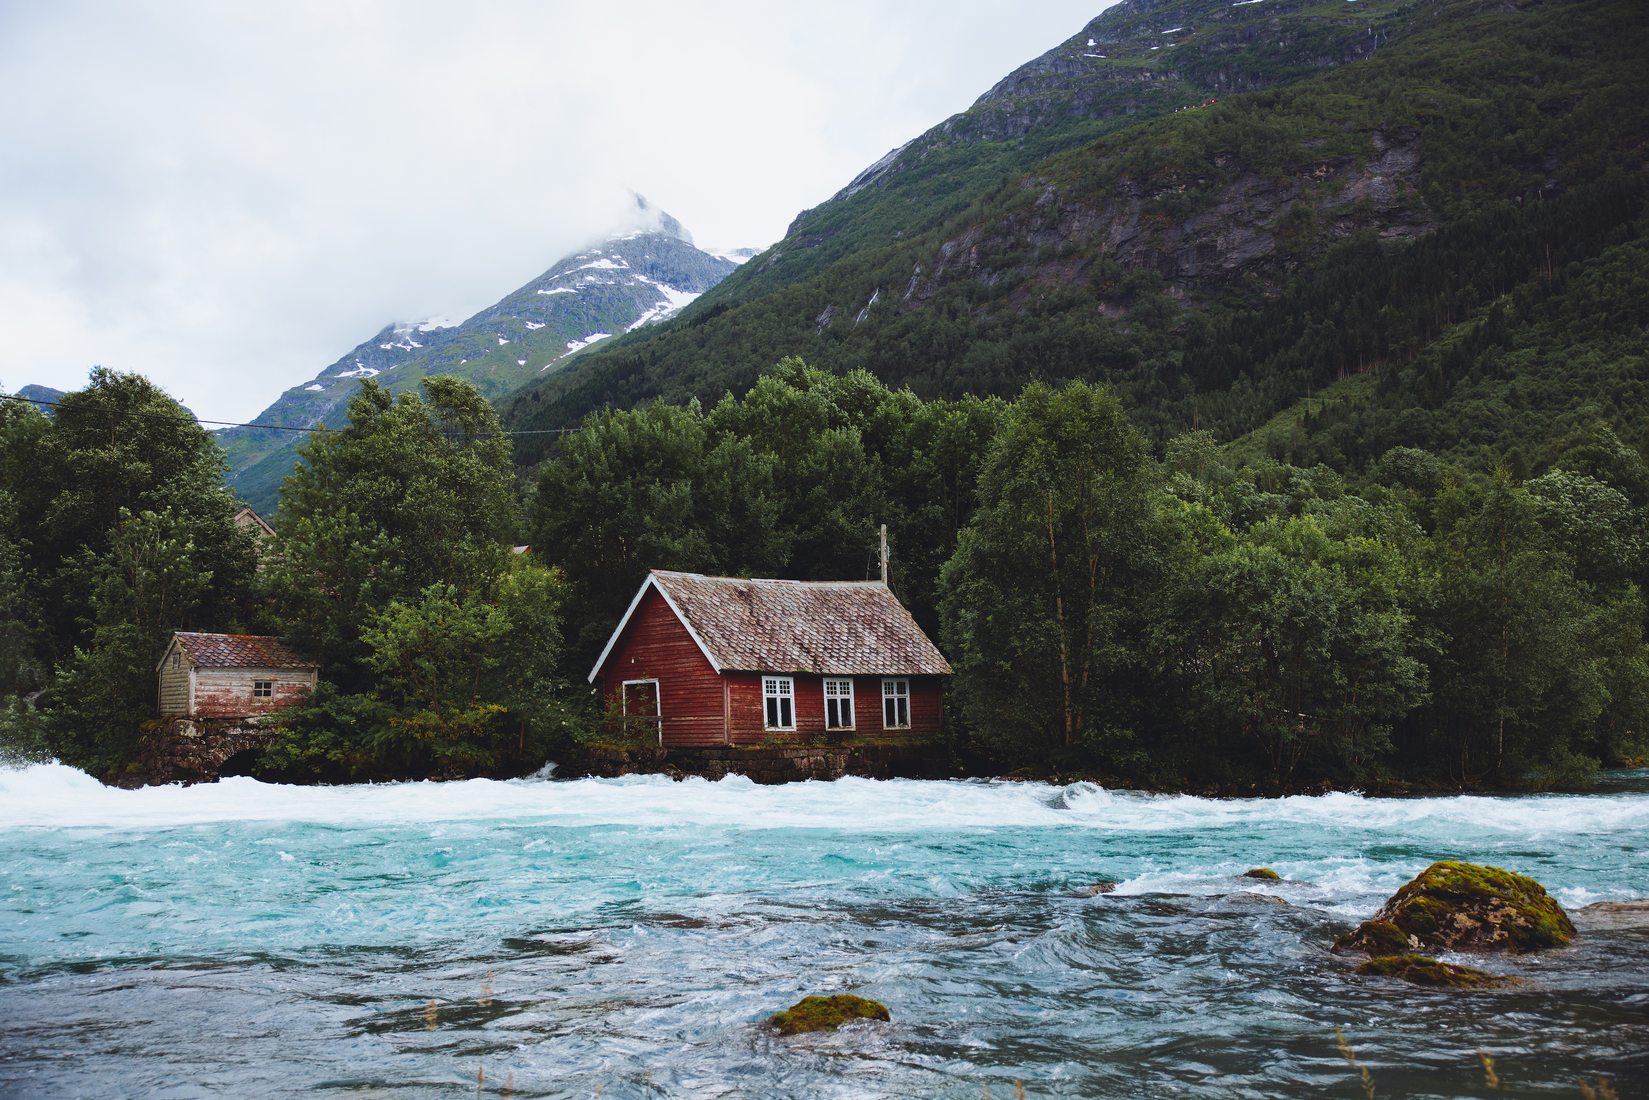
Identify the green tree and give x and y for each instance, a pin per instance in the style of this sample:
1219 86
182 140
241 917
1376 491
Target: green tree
439 646
118 532
650 488
1515 677
414 491
1300 644
1044 601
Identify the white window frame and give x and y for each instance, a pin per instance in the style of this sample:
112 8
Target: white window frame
783 690
896 690
841 696
259 686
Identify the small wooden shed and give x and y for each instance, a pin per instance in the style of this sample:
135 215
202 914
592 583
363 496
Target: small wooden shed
729 661
230 676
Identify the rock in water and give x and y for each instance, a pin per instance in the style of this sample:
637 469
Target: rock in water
827 1013
1422 970
1614 914
1457 906
1264 873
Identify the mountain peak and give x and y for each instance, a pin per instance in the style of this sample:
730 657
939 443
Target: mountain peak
647 218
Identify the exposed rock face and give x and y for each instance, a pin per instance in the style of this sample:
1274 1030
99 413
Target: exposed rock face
1193 233
1457 906
1615 914
1422 970
827 1013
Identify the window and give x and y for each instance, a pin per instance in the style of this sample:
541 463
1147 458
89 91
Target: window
838 697
263 689
896 704
779 702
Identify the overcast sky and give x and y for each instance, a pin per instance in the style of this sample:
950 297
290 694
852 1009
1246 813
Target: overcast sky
226 197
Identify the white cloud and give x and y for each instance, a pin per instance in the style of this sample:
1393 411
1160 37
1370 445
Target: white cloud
228 197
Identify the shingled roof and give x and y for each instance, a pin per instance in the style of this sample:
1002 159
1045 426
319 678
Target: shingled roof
239 651
831 628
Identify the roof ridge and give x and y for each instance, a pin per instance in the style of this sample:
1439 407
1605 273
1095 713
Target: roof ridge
761 580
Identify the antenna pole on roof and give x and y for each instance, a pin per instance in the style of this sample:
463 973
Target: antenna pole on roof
884 554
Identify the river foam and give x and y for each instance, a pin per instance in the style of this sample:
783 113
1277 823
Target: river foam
57 796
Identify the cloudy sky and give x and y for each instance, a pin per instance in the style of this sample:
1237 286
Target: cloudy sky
227 197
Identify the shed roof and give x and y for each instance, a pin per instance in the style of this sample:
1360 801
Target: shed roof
239 651
832 628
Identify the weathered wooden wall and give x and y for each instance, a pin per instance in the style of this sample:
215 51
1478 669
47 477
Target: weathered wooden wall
174 686
227 692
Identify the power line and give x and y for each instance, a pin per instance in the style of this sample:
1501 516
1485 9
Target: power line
238 424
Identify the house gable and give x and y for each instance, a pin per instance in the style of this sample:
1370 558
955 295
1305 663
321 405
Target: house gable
651 585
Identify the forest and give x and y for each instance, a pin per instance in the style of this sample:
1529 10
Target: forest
1169 617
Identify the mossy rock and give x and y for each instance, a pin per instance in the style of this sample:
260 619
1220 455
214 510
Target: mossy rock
1265 873
1457 906
1422 970
827 1013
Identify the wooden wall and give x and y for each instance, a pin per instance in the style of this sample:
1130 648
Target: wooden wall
655 646
227 692
174 685
747 721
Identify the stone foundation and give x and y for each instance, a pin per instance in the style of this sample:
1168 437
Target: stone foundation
787 764
195 750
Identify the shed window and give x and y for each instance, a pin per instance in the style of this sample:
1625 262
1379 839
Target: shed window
838 697
896 704
263 689
779 702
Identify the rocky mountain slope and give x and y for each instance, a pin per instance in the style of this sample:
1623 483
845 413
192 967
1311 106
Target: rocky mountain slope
1218 208
43 397
642 275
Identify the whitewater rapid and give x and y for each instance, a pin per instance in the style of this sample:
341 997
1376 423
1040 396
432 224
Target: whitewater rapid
631 935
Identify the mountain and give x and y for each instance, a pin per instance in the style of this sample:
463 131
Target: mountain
641 275
43 398
1323 227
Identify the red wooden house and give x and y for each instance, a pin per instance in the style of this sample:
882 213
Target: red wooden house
725 661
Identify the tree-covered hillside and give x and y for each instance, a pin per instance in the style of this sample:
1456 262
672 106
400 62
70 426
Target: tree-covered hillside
1220 211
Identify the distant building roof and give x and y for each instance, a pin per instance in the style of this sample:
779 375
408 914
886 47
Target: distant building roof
248 517
239 651
832 628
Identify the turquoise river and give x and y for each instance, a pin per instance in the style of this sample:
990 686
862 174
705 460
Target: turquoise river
628 938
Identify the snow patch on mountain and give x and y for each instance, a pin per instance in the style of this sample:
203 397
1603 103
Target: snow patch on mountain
603 264
734 255
673 302
580 345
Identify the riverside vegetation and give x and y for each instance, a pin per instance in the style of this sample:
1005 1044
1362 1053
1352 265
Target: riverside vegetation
1172 621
